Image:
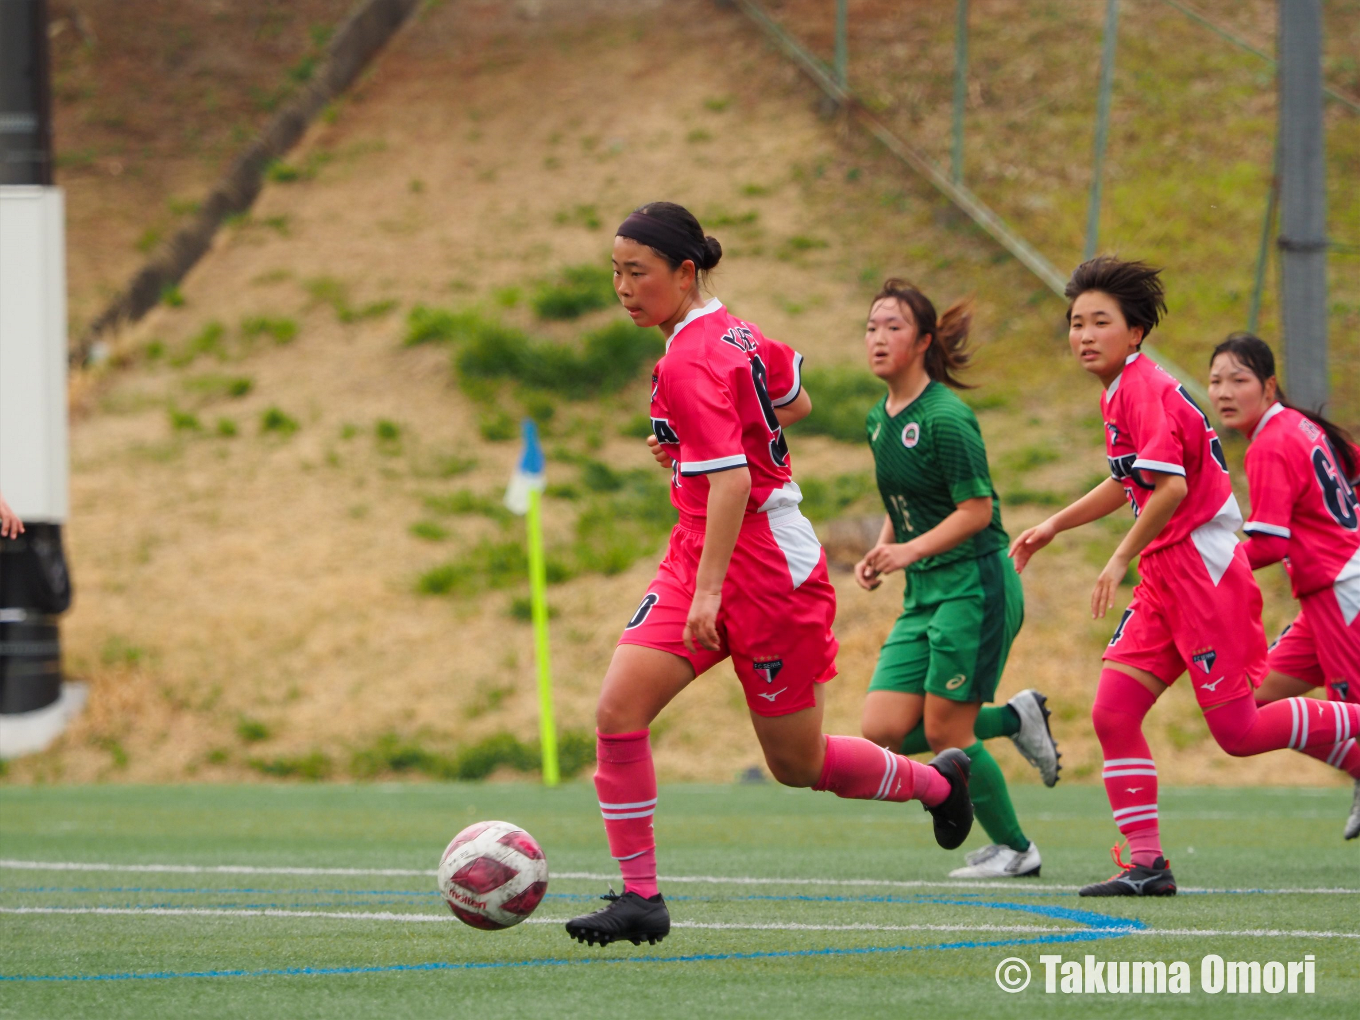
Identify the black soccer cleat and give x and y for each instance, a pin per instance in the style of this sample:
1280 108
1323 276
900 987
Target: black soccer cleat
628 918
953 815
1135 880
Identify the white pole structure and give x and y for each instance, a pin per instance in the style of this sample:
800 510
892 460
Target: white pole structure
1303 203
34 587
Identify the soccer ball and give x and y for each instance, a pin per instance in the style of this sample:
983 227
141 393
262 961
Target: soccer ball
493 875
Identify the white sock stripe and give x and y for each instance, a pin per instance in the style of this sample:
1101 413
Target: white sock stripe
1128 761
1294 723
889 771
631 856
627 807
1120 812
1303 728
1135 818
610 816
1110 773
1338 752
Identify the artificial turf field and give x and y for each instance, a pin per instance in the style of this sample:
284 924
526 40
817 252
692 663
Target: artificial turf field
301 901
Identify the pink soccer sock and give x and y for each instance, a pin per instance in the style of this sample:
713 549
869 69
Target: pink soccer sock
859 769
1130 774
1241 728
625 782
1344 756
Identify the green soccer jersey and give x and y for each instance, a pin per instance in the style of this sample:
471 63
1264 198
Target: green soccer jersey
929 457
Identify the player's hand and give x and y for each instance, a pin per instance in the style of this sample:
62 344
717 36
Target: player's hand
662 457
10 525
866 576
701 627
1029 542
884 559
1102 599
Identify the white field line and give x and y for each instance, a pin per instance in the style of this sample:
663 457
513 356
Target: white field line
250 869
383 915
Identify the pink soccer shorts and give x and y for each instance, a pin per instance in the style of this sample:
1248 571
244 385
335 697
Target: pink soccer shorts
778 606
1321 647
1181 620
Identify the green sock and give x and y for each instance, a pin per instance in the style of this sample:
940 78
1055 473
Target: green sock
992 801
996 721
992 721
915 742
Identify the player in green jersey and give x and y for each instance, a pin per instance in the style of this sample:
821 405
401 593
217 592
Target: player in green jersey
963 603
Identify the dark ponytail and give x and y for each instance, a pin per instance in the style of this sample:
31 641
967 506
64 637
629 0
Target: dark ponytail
948 353
1255 355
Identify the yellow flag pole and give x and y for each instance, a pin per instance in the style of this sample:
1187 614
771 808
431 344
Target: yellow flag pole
538 583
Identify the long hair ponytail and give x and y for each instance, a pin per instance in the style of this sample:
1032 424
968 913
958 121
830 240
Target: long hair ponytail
948 353
1255 355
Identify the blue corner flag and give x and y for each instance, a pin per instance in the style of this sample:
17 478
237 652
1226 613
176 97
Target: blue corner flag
528 476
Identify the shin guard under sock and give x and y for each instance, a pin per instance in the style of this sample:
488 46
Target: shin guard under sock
1241 728
1344 756
859 769
992 801
625 782
1130 774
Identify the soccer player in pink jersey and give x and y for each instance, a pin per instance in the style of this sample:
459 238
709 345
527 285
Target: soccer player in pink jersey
1197 606
744 576
1302 470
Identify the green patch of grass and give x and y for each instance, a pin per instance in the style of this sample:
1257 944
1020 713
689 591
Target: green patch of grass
718 103
391 754
114 747
314 767
208 340
497 427
627 518
578 289
274 420
637 427
148 240
430 531
1032 497
252 731
425 324
386 431
184 421
842 396
753 190
328 290
465 501
507 297
154 350
699 135
984 400
226 427
823 499
607 359
723 218
562 492
214 386
282 330
799 244
587 216
171 296
539 406
119 651
1028 458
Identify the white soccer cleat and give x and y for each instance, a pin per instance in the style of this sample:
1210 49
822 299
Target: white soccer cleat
1035 741
1353 822
998 861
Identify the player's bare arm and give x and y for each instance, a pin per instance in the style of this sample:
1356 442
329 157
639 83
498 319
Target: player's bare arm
1103 500
972 516
795 410
10 525
866 576
1170 491
727 495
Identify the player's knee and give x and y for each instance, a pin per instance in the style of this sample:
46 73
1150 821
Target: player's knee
883 736
791 770
612 716
1107 723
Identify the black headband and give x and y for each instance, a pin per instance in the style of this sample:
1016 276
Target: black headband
672 241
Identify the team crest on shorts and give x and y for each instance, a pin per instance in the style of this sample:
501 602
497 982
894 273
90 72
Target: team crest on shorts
911 434
1204 659
768 668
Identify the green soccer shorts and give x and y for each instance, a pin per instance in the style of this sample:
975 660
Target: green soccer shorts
955 631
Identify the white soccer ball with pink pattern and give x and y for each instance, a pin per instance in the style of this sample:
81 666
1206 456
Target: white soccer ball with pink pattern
493 875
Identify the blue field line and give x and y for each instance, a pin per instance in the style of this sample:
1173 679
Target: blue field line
1077 936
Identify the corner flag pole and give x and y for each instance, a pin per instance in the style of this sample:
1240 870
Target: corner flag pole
524 496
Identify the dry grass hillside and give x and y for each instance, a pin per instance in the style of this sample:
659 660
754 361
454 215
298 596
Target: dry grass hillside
286 537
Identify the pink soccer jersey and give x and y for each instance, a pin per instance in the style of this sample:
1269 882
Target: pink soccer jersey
714 394
1299 493
1152 426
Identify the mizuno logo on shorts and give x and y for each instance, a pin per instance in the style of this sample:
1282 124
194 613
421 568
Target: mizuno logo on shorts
774 694
1211 686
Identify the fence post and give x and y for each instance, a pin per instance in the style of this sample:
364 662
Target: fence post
1102 126
960 87
842 43
1303 203
1263 251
